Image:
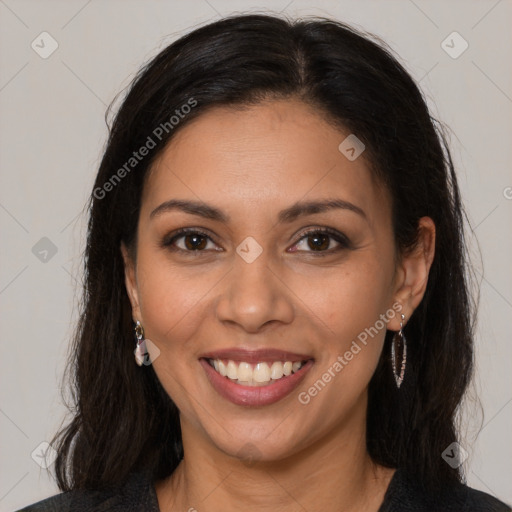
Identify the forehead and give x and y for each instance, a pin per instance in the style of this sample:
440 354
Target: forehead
273 153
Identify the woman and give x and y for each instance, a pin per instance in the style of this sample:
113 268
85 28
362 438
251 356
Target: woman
276 310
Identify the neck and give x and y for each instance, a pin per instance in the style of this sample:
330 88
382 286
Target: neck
334 473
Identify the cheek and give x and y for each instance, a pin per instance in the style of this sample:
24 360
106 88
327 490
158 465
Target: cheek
172 308
351 303
347 300
174 301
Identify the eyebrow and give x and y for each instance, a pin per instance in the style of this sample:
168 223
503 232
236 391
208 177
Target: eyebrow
299 209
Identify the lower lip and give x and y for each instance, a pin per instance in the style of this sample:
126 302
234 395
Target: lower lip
254 395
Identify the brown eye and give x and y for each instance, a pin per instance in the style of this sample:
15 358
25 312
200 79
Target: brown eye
194 242
319 241
187 241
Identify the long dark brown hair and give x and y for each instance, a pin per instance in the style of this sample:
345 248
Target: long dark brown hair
123 420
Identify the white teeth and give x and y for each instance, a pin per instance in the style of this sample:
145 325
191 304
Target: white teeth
259 374
232 370
276 371
244 372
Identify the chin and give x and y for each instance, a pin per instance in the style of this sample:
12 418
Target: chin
253 449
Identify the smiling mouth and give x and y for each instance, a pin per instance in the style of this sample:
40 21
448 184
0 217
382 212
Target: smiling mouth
258 374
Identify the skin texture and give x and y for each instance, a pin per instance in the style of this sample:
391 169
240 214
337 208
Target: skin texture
251 163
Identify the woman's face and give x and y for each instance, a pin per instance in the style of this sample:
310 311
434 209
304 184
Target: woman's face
253 280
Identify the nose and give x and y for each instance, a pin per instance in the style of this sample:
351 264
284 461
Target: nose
254 295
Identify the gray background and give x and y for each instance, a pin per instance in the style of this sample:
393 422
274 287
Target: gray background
52 134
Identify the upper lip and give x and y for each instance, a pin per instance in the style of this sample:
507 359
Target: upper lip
255 356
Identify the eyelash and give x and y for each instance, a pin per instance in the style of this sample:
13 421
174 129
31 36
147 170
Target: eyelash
336 235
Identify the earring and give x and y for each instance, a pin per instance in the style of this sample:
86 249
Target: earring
140 349
399 339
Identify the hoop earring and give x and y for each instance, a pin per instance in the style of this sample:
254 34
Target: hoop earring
140 348
399 339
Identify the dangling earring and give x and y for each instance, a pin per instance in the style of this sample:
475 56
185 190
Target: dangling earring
399 339
140 349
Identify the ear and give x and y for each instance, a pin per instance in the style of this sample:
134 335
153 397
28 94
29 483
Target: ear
412 272
130 281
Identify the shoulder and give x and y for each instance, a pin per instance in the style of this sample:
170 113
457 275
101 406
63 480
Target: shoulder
406 494
75 500
136 493
465 498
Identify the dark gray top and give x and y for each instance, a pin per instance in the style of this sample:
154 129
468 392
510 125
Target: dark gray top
402 495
